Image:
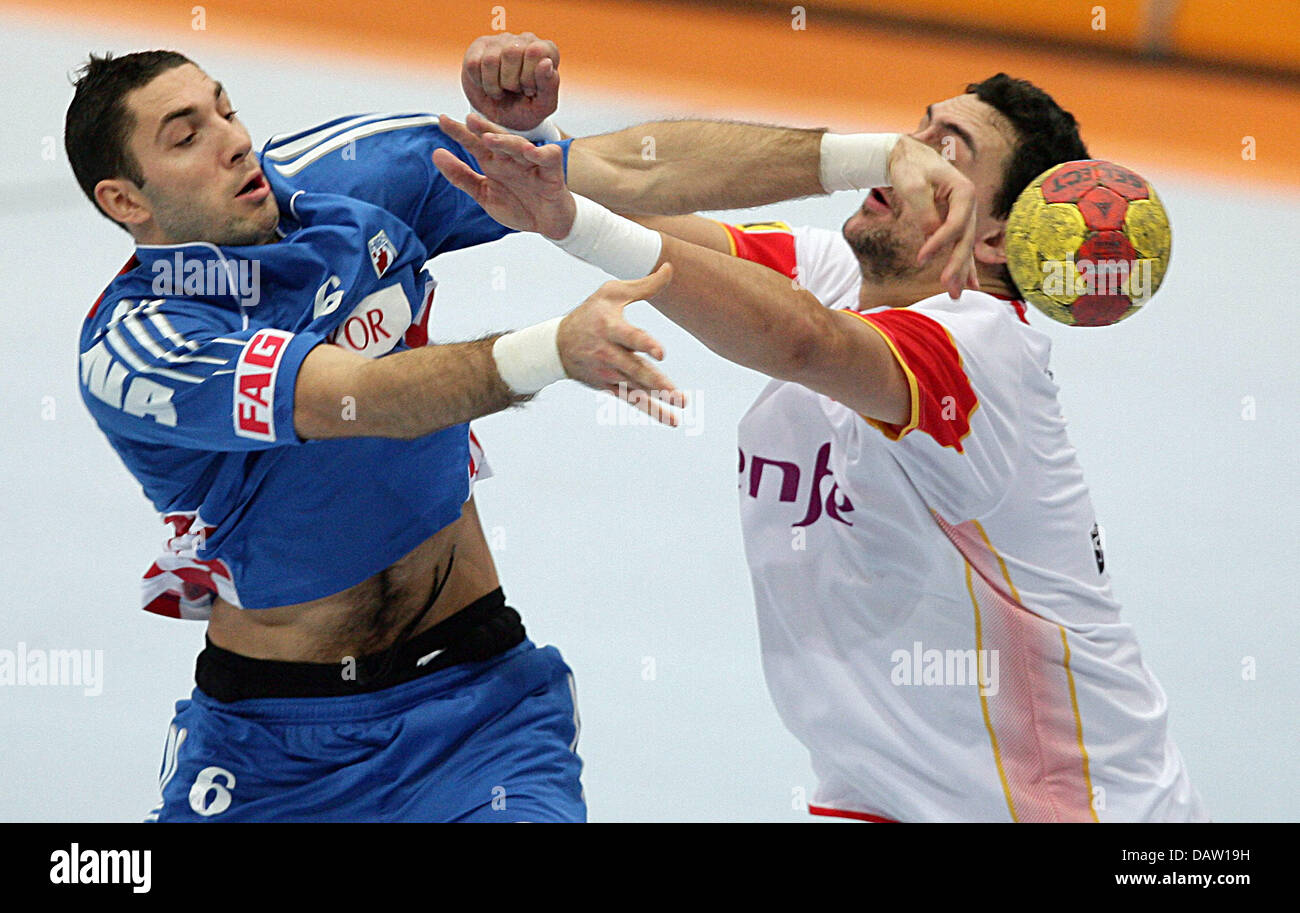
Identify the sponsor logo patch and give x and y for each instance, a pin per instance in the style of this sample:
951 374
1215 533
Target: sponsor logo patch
255 384
376 324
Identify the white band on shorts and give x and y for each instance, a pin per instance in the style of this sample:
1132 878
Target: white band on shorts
529 359
617 245
856 161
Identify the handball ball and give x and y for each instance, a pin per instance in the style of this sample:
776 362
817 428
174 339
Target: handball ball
1088 243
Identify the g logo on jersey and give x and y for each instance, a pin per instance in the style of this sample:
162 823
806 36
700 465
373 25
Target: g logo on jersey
328 298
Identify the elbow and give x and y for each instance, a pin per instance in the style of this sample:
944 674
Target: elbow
803 344
798 357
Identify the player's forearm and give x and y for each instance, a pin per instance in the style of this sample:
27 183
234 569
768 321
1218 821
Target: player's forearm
405 395
421 391
673 167
746 313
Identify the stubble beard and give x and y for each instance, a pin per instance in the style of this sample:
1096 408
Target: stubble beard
880 254
230 231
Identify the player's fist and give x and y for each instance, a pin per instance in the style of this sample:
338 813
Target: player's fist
512 79
598 347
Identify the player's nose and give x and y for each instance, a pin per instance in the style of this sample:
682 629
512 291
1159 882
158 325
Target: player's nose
240 144
927 135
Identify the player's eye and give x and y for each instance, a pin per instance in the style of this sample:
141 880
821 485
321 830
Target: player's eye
231 115
188 140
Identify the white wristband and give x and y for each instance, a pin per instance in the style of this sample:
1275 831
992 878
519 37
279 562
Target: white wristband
856 161
546 131
529 359
617 245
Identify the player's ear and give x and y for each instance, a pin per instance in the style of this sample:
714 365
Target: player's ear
991 247
122 201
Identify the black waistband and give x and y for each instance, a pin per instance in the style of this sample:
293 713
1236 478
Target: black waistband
483 629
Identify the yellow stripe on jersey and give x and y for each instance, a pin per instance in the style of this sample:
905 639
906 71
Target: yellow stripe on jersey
760 227
1078 725
914 416
731 239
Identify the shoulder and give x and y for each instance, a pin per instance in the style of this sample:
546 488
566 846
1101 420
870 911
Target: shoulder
819 259
113 290
290 153
956 352
978 305
977 320
143 298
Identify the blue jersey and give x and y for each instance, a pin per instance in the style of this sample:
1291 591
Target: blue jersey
188 363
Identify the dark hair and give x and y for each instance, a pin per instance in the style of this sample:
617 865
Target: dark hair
98 122
1046 135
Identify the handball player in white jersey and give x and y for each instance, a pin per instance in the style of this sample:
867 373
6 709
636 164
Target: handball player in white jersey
937 624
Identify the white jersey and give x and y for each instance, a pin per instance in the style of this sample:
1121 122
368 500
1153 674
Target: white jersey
936 622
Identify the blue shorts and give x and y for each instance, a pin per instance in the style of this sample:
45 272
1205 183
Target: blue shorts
475 742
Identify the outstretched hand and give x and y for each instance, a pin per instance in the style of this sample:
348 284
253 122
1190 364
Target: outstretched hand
926 182
598 347
521 185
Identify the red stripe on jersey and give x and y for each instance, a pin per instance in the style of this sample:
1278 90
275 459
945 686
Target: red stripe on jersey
942 397
768 243
129 265
843 813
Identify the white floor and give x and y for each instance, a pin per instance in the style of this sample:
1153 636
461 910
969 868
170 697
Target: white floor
620 543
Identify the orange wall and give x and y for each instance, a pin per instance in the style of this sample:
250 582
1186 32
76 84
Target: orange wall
705 60
1263 33
1065 20
1246 31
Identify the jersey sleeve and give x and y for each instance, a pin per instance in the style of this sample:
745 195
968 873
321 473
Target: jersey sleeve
387 160
815 258
167 374
770 244
964 367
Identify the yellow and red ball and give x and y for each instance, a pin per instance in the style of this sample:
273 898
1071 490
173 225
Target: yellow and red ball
1088 242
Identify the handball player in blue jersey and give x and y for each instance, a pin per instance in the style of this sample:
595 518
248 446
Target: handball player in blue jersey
261 365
